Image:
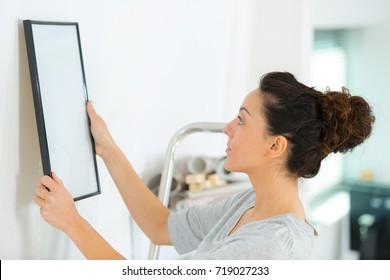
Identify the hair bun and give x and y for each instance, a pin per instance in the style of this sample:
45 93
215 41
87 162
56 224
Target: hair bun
348 120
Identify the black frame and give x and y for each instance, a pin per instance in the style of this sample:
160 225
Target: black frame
39 112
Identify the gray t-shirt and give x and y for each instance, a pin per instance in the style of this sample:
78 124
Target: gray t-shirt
206 229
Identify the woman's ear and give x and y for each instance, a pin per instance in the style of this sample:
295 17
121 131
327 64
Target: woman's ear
278 146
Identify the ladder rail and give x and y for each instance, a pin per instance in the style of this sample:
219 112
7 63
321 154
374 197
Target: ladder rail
168 167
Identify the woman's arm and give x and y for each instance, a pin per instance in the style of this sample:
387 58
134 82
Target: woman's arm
146 209
58 208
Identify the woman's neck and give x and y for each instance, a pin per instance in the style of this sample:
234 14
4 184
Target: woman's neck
275 194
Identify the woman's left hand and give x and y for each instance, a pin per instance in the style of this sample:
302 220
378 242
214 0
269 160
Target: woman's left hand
57 205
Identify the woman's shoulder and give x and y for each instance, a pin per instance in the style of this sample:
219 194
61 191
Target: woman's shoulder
285 235
287 224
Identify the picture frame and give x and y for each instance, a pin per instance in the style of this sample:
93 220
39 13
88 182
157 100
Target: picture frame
60 96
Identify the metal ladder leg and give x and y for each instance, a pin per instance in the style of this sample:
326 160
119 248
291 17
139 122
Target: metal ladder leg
167 172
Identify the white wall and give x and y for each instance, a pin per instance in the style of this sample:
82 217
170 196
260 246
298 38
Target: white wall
151 67
336 14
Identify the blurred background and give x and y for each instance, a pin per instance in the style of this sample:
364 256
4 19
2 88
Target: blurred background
154 66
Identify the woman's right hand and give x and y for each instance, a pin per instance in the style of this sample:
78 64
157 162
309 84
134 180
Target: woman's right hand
103 139
56 203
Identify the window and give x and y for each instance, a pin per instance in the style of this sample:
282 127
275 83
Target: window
328 69
329 62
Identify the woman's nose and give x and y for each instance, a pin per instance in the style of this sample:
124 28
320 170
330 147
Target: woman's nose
227 129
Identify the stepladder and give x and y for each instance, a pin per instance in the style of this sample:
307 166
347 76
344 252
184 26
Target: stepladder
169 164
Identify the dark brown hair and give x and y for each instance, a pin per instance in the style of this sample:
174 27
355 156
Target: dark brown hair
314 123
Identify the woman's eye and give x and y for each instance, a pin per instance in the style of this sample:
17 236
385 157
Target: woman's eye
240 122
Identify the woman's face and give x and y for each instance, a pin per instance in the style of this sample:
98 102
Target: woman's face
248 139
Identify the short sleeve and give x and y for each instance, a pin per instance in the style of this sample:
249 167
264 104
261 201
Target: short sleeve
187 228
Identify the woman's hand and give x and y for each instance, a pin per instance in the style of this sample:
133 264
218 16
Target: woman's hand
103 140
59 210
57 205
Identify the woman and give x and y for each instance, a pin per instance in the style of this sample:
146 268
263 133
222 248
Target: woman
283 131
